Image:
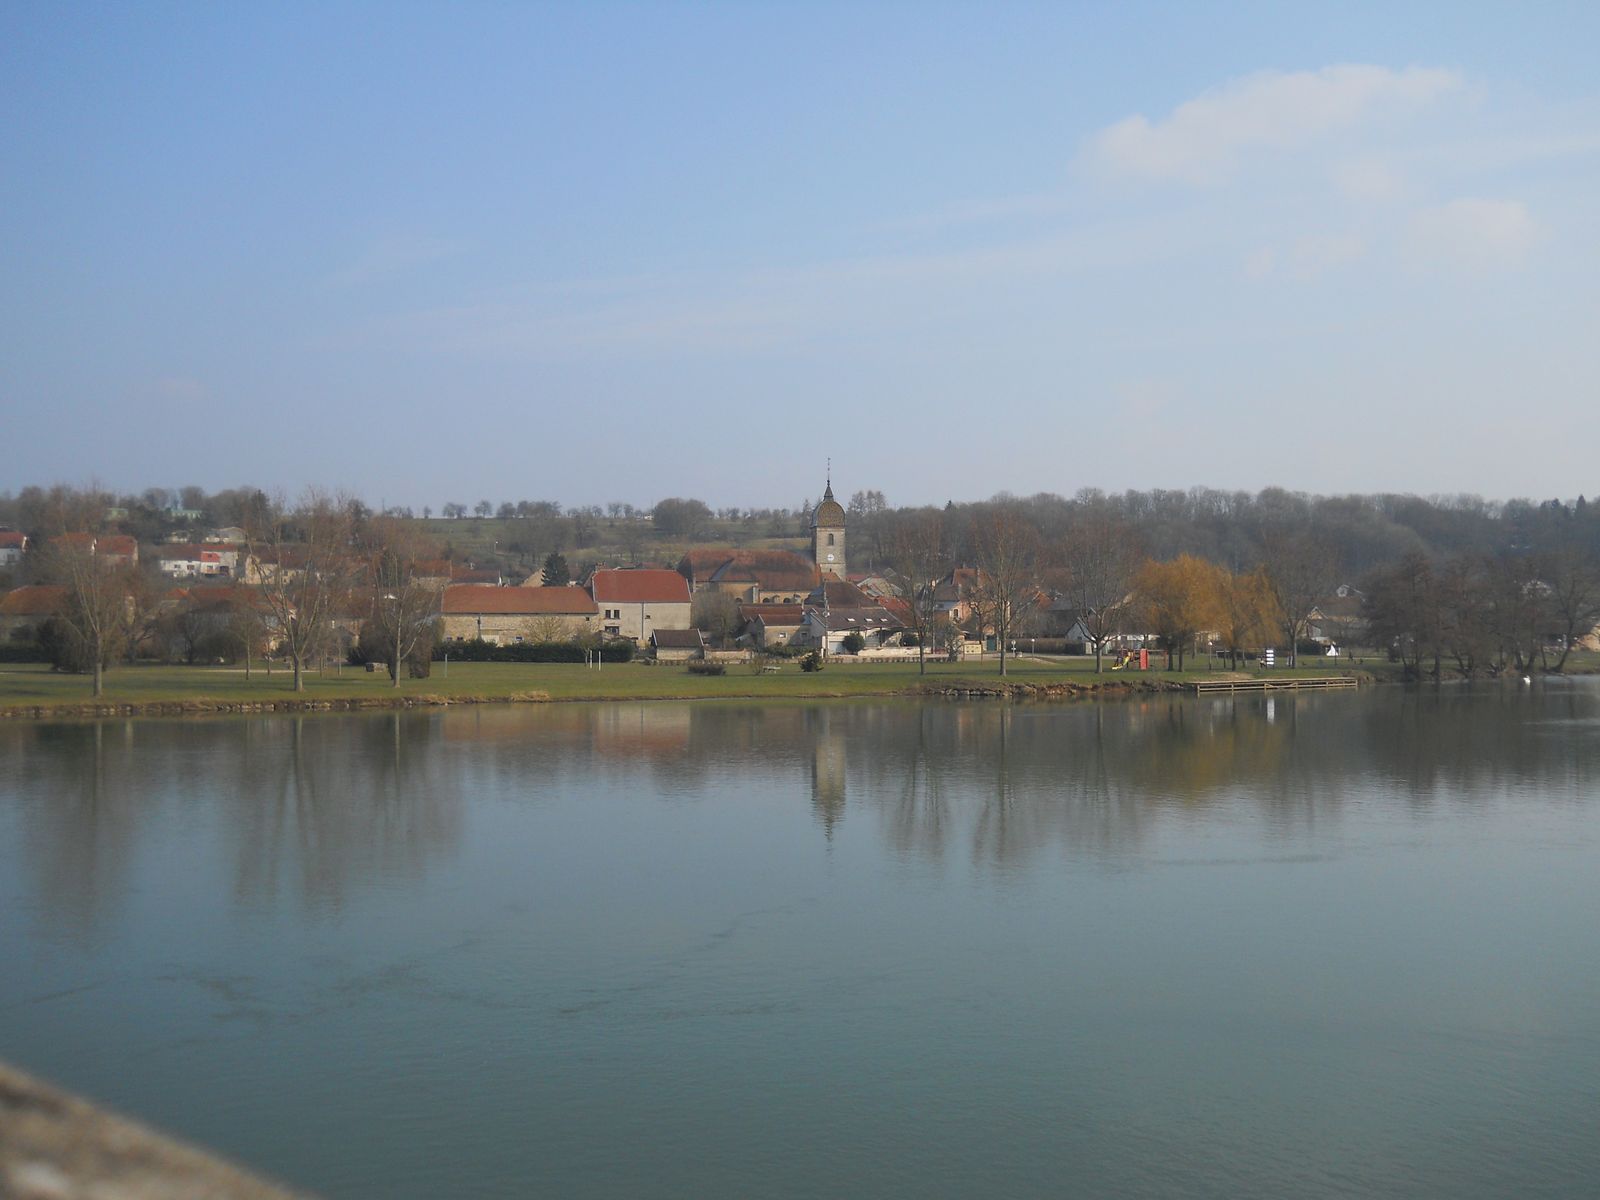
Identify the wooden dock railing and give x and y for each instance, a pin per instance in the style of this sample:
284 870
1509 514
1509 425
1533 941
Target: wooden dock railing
1317 683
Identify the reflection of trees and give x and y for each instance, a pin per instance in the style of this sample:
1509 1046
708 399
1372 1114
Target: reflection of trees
323 805
319 807
77 787
316 805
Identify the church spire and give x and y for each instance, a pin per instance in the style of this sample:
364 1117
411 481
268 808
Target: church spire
827 492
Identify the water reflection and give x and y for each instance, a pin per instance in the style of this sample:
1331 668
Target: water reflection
315 808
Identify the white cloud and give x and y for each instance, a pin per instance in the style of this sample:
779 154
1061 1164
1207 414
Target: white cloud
1204 138
1473 233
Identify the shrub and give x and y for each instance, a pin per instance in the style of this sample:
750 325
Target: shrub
853 643
532 652
701 666
811 662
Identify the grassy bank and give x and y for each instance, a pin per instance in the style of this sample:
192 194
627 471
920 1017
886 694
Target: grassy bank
30 690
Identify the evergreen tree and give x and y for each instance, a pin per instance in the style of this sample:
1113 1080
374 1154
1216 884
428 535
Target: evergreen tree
556 571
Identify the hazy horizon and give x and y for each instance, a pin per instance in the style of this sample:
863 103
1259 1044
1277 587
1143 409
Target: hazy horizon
623 253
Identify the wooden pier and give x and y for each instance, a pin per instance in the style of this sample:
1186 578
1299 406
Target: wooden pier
1316 683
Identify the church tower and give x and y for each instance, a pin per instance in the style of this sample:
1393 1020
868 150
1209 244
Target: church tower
827 535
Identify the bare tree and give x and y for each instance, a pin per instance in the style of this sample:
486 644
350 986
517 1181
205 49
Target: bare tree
94 612
916 550
303 559
1007 547
1100 557
1572 573
1301 570
404 607
716 614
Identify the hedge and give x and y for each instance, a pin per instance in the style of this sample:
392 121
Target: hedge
23 652
532 652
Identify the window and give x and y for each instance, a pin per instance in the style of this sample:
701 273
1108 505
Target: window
830 539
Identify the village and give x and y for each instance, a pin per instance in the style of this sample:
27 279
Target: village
330 584
713 604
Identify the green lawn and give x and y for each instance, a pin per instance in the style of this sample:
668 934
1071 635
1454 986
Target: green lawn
37 686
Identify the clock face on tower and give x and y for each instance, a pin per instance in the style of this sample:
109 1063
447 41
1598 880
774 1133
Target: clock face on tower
830 558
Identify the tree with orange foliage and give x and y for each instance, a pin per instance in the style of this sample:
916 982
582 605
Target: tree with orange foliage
1244 611
1179 600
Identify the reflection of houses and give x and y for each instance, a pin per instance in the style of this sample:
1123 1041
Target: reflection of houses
506 616
24 609
635 603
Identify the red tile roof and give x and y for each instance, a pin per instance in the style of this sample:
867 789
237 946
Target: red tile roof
193 551
118 543
12 541
518 601
34 600
637 587
774 614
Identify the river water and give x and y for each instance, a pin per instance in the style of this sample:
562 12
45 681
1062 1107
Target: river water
1340 945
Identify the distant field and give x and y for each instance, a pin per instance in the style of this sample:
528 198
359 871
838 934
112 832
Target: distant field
27 686
490 538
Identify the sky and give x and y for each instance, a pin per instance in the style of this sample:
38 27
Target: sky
602 252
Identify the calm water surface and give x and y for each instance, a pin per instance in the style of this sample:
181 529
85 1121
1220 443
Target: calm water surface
1346 945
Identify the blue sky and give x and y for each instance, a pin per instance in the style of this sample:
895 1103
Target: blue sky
606 252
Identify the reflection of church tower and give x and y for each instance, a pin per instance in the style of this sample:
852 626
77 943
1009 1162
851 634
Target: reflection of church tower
828 773
827 535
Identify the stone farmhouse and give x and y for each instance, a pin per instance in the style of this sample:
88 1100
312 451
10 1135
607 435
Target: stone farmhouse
636 602
508 615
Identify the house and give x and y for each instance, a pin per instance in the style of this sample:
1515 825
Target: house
115 549
838 608
828 628
750 576
189 560
1337 620
879 587
507 615
24 609
677 645
765 625
228 533
12 547
634 603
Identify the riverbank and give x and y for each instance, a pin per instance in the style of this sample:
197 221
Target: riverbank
30 691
